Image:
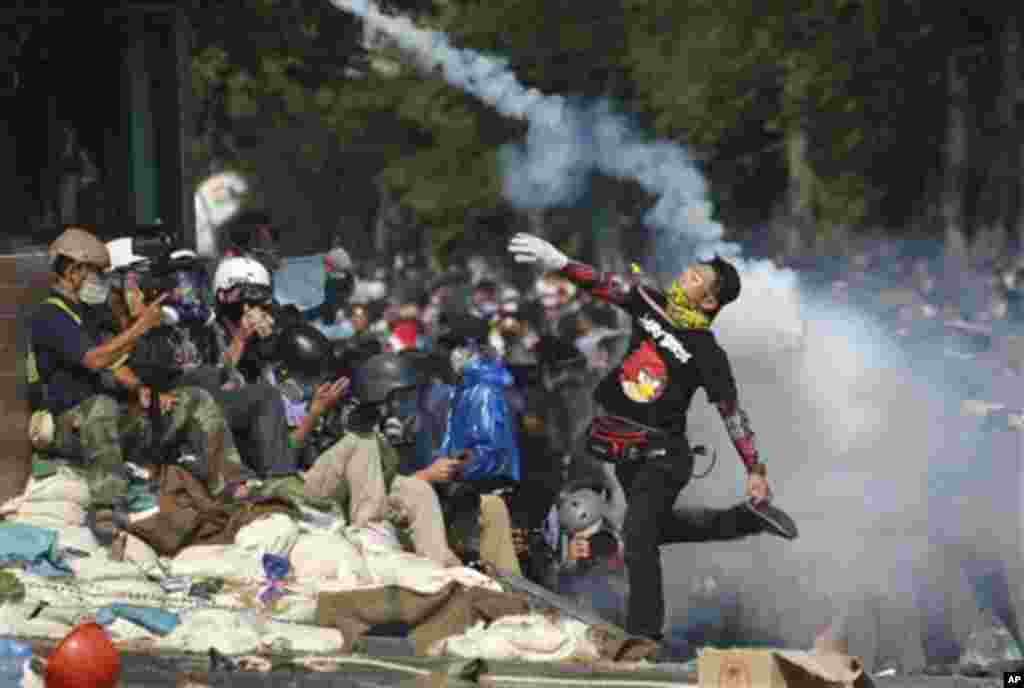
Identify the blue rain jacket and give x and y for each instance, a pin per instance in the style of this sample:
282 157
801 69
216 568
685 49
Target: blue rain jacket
480 419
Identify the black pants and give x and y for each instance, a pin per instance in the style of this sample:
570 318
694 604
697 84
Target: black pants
651 490
256 415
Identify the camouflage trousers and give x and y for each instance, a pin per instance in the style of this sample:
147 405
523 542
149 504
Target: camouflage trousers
100 434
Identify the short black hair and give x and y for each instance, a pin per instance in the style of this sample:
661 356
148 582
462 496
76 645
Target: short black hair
728 284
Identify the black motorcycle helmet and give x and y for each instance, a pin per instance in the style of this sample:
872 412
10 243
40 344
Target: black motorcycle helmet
304 353
378 378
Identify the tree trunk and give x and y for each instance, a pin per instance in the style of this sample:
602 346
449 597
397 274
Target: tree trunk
952 203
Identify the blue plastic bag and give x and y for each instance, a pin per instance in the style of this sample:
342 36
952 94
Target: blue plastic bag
480 419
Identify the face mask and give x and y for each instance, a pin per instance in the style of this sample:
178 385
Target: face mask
488 308
94 291
399 432
187 298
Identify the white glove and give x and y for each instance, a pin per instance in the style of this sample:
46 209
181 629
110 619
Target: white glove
532 249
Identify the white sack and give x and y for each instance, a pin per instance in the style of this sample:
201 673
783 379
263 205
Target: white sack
275 534
325 556
230 633
530 638
49 514
420 574
218 561
374 537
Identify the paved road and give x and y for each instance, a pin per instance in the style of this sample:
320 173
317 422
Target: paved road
389 666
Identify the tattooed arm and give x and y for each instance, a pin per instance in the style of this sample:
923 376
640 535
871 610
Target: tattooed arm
612 287
737 424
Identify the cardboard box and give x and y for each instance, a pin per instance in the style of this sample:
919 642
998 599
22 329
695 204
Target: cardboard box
741 668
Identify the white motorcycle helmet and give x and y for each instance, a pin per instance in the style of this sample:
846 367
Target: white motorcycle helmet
240 280
240 270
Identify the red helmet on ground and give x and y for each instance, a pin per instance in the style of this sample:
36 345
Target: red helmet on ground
86 658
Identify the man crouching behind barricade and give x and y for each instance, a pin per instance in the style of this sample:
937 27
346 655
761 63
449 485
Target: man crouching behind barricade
86 397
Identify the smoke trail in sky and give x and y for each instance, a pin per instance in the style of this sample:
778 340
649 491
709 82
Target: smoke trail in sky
565 142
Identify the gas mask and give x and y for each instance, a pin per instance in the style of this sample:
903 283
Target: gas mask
186 303
94 290
399 424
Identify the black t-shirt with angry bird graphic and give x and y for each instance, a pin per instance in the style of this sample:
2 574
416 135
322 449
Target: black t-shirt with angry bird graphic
663 368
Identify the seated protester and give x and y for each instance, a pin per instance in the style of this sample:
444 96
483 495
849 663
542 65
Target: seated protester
187 427
244 318
255 412
74 419
339 468
389 382
308 376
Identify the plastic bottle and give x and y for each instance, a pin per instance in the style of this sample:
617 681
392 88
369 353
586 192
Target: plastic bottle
13 657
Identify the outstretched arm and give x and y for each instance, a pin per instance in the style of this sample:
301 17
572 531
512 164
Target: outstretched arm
737 424
612 287
609 286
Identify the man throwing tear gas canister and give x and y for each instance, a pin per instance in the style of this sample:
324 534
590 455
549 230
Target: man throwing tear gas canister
672 353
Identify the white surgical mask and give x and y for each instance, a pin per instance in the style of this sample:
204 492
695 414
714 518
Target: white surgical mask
94 291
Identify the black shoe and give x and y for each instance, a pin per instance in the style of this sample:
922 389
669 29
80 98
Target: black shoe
773 520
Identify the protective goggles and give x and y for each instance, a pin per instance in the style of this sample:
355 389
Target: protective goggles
253 294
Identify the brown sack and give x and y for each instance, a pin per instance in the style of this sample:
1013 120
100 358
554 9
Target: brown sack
189 515
451 611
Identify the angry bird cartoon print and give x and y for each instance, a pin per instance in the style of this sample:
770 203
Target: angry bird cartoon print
644 375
